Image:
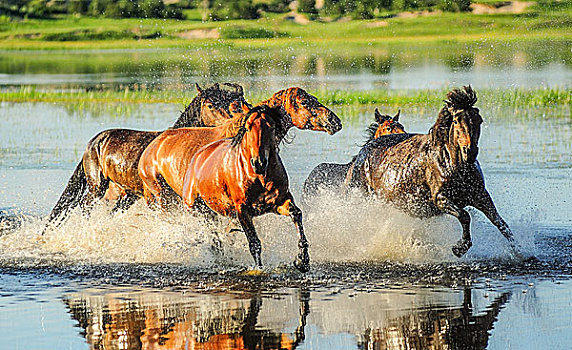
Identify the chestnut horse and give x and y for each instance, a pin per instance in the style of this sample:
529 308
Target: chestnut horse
112 155
332 175
435 173
163 164
244 177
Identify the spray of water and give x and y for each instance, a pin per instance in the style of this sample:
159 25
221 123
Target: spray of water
340 229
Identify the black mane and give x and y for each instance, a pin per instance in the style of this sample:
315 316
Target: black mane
461 99
191 116
456 99
262 109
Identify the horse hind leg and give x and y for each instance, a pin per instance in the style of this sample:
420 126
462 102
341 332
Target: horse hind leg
125 202
302 261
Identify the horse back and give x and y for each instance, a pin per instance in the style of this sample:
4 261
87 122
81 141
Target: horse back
115 153
326 176
170 153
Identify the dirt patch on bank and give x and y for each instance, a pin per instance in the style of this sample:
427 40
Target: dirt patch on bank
513 7
199 34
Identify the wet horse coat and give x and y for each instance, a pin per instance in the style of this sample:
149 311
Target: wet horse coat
112 156
244 177
435 173
332 175
163 165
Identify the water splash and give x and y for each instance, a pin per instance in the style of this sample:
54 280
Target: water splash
348 229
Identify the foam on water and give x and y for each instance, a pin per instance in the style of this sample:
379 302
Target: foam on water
349 229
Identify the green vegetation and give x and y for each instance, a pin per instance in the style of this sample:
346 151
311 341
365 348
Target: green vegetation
547 20
501 98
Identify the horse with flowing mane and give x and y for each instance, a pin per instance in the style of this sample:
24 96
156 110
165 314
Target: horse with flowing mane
332 175
112 156
244 177
163 164
433 174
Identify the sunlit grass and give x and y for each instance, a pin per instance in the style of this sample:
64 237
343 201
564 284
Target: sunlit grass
119 101
72 32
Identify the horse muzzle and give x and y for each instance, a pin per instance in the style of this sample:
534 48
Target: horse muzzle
334 124
259 165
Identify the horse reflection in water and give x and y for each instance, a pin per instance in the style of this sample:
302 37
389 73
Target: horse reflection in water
457 328
152 323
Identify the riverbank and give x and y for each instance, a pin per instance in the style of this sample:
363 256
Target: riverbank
275 31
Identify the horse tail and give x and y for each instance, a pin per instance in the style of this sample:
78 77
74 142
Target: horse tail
71 196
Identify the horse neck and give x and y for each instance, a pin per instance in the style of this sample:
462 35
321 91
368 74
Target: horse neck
278 103
231 126
191 116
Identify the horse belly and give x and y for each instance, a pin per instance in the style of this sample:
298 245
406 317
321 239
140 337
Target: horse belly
400 191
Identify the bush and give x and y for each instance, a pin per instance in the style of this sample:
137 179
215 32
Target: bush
307 6
239 9
250 33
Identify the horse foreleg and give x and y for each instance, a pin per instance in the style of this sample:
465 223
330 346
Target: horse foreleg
253 240
448 207
302 261
485 204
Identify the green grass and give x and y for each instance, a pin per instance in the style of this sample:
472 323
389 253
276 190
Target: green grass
501 97
541 22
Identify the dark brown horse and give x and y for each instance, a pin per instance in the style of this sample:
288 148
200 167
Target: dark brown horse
435 173
244 177
112 156
332 175
163 165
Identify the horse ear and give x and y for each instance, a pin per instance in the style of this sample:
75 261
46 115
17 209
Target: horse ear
396 117
199 89
378 116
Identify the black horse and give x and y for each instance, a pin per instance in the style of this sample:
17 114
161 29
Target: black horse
112 156
332 175
435 173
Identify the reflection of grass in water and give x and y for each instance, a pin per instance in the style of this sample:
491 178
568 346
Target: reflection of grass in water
118 101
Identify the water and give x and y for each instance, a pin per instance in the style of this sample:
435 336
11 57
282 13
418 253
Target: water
379 279
485 64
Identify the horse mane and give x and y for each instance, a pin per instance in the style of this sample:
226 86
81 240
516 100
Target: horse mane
191 116
461 99
456 99
260 109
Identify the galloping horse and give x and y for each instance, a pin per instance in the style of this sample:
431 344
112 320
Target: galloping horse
332 175
112 155
435 173
163 164
244 177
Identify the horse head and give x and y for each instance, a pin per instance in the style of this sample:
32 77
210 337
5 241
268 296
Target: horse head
256 137
386 125
305 111
459 124
212 105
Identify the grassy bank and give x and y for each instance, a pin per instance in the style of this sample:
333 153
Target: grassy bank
499 97
69 32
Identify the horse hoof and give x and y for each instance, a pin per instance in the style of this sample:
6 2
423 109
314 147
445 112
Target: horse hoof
461 248
302 266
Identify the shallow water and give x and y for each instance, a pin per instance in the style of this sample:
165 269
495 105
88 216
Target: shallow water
486 64
379 278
